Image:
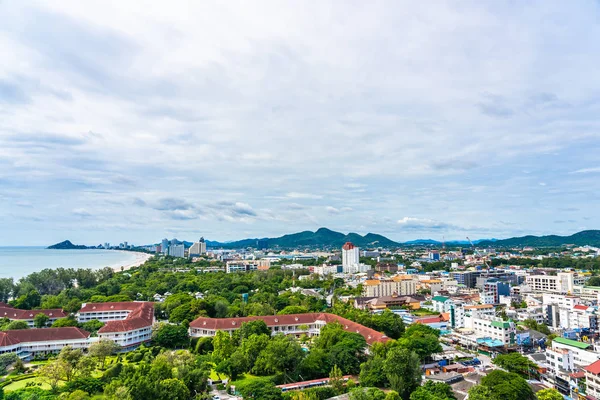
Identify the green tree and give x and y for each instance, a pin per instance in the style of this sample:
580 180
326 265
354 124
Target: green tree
403 371
102 349
282 355
92 326
550 394
593 281
505 386
392 395
51 373
251 347
40 320
421 339
171 336
77 395
64 322
367 394
223 346
16 324
371 372
293 310
433 391
480 392
516 362
258 327
172 389
260 389
336 379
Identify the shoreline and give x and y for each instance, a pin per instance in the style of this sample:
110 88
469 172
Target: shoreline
140 259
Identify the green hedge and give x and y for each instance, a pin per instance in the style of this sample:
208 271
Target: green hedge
10 380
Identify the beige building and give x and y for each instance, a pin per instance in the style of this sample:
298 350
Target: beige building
400 286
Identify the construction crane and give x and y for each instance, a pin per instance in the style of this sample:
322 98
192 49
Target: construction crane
476 251
473 247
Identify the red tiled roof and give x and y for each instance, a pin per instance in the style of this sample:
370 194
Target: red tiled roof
15 313
141 315
580 307
348 246
594 368
370 335
13 337
428 320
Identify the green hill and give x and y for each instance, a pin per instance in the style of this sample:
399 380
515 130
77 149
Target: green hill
322 238
591 237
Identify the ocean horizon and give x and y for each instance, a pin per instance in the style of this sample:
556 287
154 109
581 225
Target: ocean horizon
19 261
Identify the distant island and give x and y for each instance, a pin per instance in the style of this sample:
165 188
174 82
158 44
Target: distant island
67 245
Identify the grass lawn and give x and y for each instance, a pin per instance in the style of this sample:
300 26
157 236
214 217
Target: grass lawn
245 378
22 384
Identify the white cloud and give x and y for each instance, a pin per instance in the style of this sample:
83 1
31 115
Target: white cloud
314 106
592 170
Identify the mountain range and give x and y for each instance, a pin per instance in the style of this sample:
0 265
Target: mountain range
326 238
589 237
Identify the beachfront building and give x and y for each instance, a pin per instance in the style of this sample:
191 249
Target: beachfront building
28 316
293 324
177 250
27 343
129 324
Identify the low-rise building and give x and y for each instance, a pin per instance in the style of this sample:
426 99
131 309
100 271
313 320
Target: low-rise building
441 304
129 324
293 324
28 316
27 343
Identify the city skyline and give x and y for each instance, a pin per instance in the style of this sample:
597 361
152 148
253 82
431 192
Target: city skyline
408 120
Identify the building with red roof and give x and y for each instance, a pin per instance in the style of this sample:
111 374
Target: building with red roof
592 380
27 343
14 314
129 324
293 324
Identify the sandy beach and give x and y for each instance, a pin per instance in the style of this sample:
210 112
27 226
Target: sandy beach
139 260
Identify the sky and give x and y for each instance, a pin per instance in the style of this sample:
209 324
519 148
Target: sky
439 119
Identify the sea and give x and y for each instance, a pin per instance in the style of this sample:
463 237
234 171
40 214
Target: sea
17 262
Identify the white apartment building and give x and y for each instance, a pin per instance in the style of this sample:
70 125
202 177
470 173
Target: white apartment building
27 343
241 266
326 270
562 282
350 258
566 355
560 299
397 286
493 328
457 315
442 304
198 248
177 250
592 380
129 324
